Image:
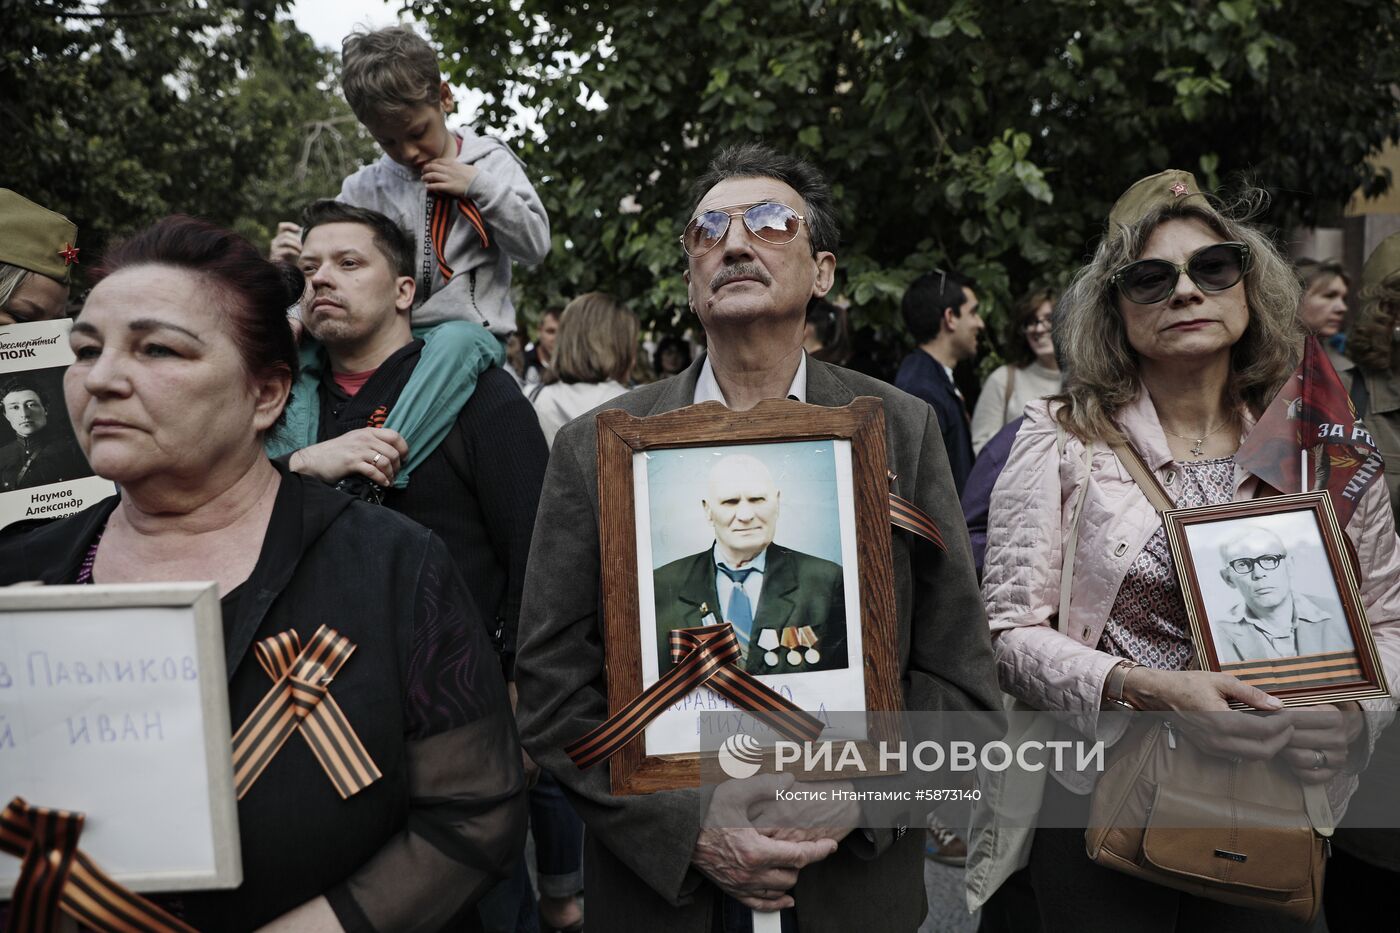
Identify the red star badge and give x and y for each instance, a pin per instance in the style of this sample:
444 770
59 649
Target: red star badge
1178 189
69 254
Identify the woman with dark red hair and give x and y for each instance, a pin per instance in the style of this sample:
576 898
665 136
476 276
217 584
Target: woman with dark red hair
184 361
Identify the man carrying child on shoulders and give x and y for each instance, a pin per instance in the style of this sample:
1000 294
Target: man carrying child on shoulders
465 198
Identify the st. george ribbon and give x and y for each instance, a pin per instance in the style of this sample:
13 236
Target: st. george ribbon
56 876
300 701
702 655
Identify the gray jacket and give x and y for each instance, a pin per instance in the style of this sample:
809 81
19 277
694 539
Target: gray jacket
638 849
1320 628
515 220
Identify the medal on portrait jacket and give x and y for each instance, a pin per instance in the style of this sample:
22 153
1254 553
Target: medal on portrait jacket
768 641
791 642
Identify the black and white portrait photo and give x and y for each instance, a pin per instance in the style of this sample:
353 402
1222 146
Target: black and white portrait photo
43 472
39 448
1267 587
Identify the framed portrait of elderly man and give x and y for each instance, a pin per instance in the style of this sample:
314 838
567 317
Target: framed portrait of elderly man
770 526
1271 593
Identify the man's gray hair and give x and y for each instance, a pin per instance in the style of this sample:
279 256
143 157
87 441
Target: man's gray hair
756 160
1245 531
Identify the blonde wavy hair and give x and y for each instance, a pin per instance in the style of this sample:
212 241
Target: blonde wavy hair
1371 339
1101 367
597 341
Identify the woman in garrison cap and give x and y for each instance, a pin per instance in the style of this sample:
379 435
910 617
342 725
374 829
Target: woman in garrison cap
37 248
1176 335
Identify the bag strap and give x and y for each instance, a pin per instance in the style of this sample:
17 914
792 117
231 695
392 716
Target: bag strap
1006 397
1072 540
1360 394
1142 475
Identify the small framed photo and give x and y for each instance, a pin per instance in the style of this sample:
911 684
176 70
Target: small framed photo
775 520
1271 592
114 703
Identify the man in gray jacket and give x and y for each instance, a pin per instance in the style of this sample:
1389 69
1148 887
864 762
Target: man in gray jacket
760 245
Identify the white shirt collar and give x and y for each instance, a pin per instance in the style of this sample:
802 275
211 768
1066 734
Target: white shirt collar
759 562
707 388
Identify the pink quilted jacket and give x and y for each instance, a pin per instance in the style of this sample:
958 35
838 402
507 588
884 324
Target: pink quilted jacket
1029 521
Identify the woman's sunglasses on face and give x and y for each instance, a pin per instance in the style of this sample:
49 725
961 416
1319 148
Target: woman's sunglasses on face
770 221
1213 269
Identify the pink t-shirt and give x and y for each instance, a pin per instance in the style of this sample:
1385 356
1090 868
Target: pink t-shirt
352 383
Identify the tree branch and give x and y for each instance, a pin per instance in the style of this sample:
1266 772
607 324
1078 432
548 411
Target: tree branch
187 15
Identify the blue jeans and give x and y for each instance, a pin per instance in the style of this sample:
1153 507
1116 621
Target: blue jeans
509 907
558 840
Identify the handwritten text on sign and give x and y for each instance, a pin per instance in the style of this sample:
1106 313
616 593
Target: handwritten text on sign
101 712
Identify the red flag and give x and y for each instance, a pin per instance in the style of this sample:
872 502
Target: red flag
1313 412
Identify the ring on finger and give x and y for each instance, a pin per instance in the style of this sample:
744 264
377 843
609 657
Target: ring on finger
1319 759
374 461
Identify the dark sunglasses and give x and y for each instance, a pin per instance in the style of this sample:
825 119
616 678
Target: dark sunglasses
770 221
1213 269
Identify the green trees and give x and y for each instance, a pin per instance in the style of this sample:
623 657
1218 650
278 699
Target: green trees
122 111
990 135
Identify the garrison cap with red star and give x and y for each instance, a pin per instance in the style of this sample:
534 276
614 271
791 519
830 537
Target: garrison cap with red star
1149 194
36 238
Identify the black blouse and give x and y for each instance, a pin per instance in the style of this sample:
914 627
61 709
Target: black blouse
422 691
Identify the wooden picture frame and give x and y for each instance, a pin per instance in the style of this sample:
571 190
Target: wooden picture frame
627 443
114 703
1291 624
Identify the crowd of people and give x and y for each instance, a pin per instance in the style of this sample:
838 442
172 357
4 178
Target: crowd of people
352 428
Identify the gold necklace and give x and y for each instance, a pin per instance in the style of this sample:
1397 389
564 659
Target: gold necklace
1198 441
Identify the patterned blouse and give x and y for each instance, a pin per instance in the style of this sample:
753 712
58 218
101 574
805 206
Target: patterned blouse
1148 621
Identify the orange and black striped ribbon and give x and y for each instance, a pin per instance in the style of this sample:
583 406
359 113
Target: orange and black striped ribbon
56 875
905 514
441 225
703 655
300 700
1304 670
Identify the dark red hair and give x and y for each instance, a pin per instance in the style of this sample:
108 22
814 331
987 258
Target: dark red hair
254 292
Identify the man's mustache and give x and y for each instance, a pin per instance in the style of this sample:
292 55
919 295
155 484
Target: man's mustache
743 270
328 295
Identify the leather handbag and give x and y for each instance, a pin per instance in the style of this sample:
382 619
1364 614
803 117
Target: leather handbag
1238 832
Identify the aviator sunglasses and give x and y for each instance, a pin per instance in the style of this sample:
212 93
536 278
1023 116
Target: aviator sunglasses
1213 269
770 221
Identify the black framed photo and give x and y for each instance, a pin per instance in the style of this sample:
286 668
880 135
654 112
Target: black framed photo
1271 592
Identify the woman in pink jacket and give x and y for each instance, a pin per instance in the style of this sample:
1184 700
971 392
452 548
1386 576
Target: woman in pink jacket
1180 363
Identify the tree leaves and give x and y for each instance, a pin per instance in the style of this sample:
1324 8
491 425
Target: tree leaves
990 136
987 135
124 119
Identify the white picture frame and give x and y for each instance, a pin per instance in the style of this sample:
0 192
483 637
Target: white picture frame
114 703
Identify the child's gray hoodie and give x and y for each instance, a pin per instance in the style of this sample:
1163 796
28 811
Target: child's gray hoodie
469 280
